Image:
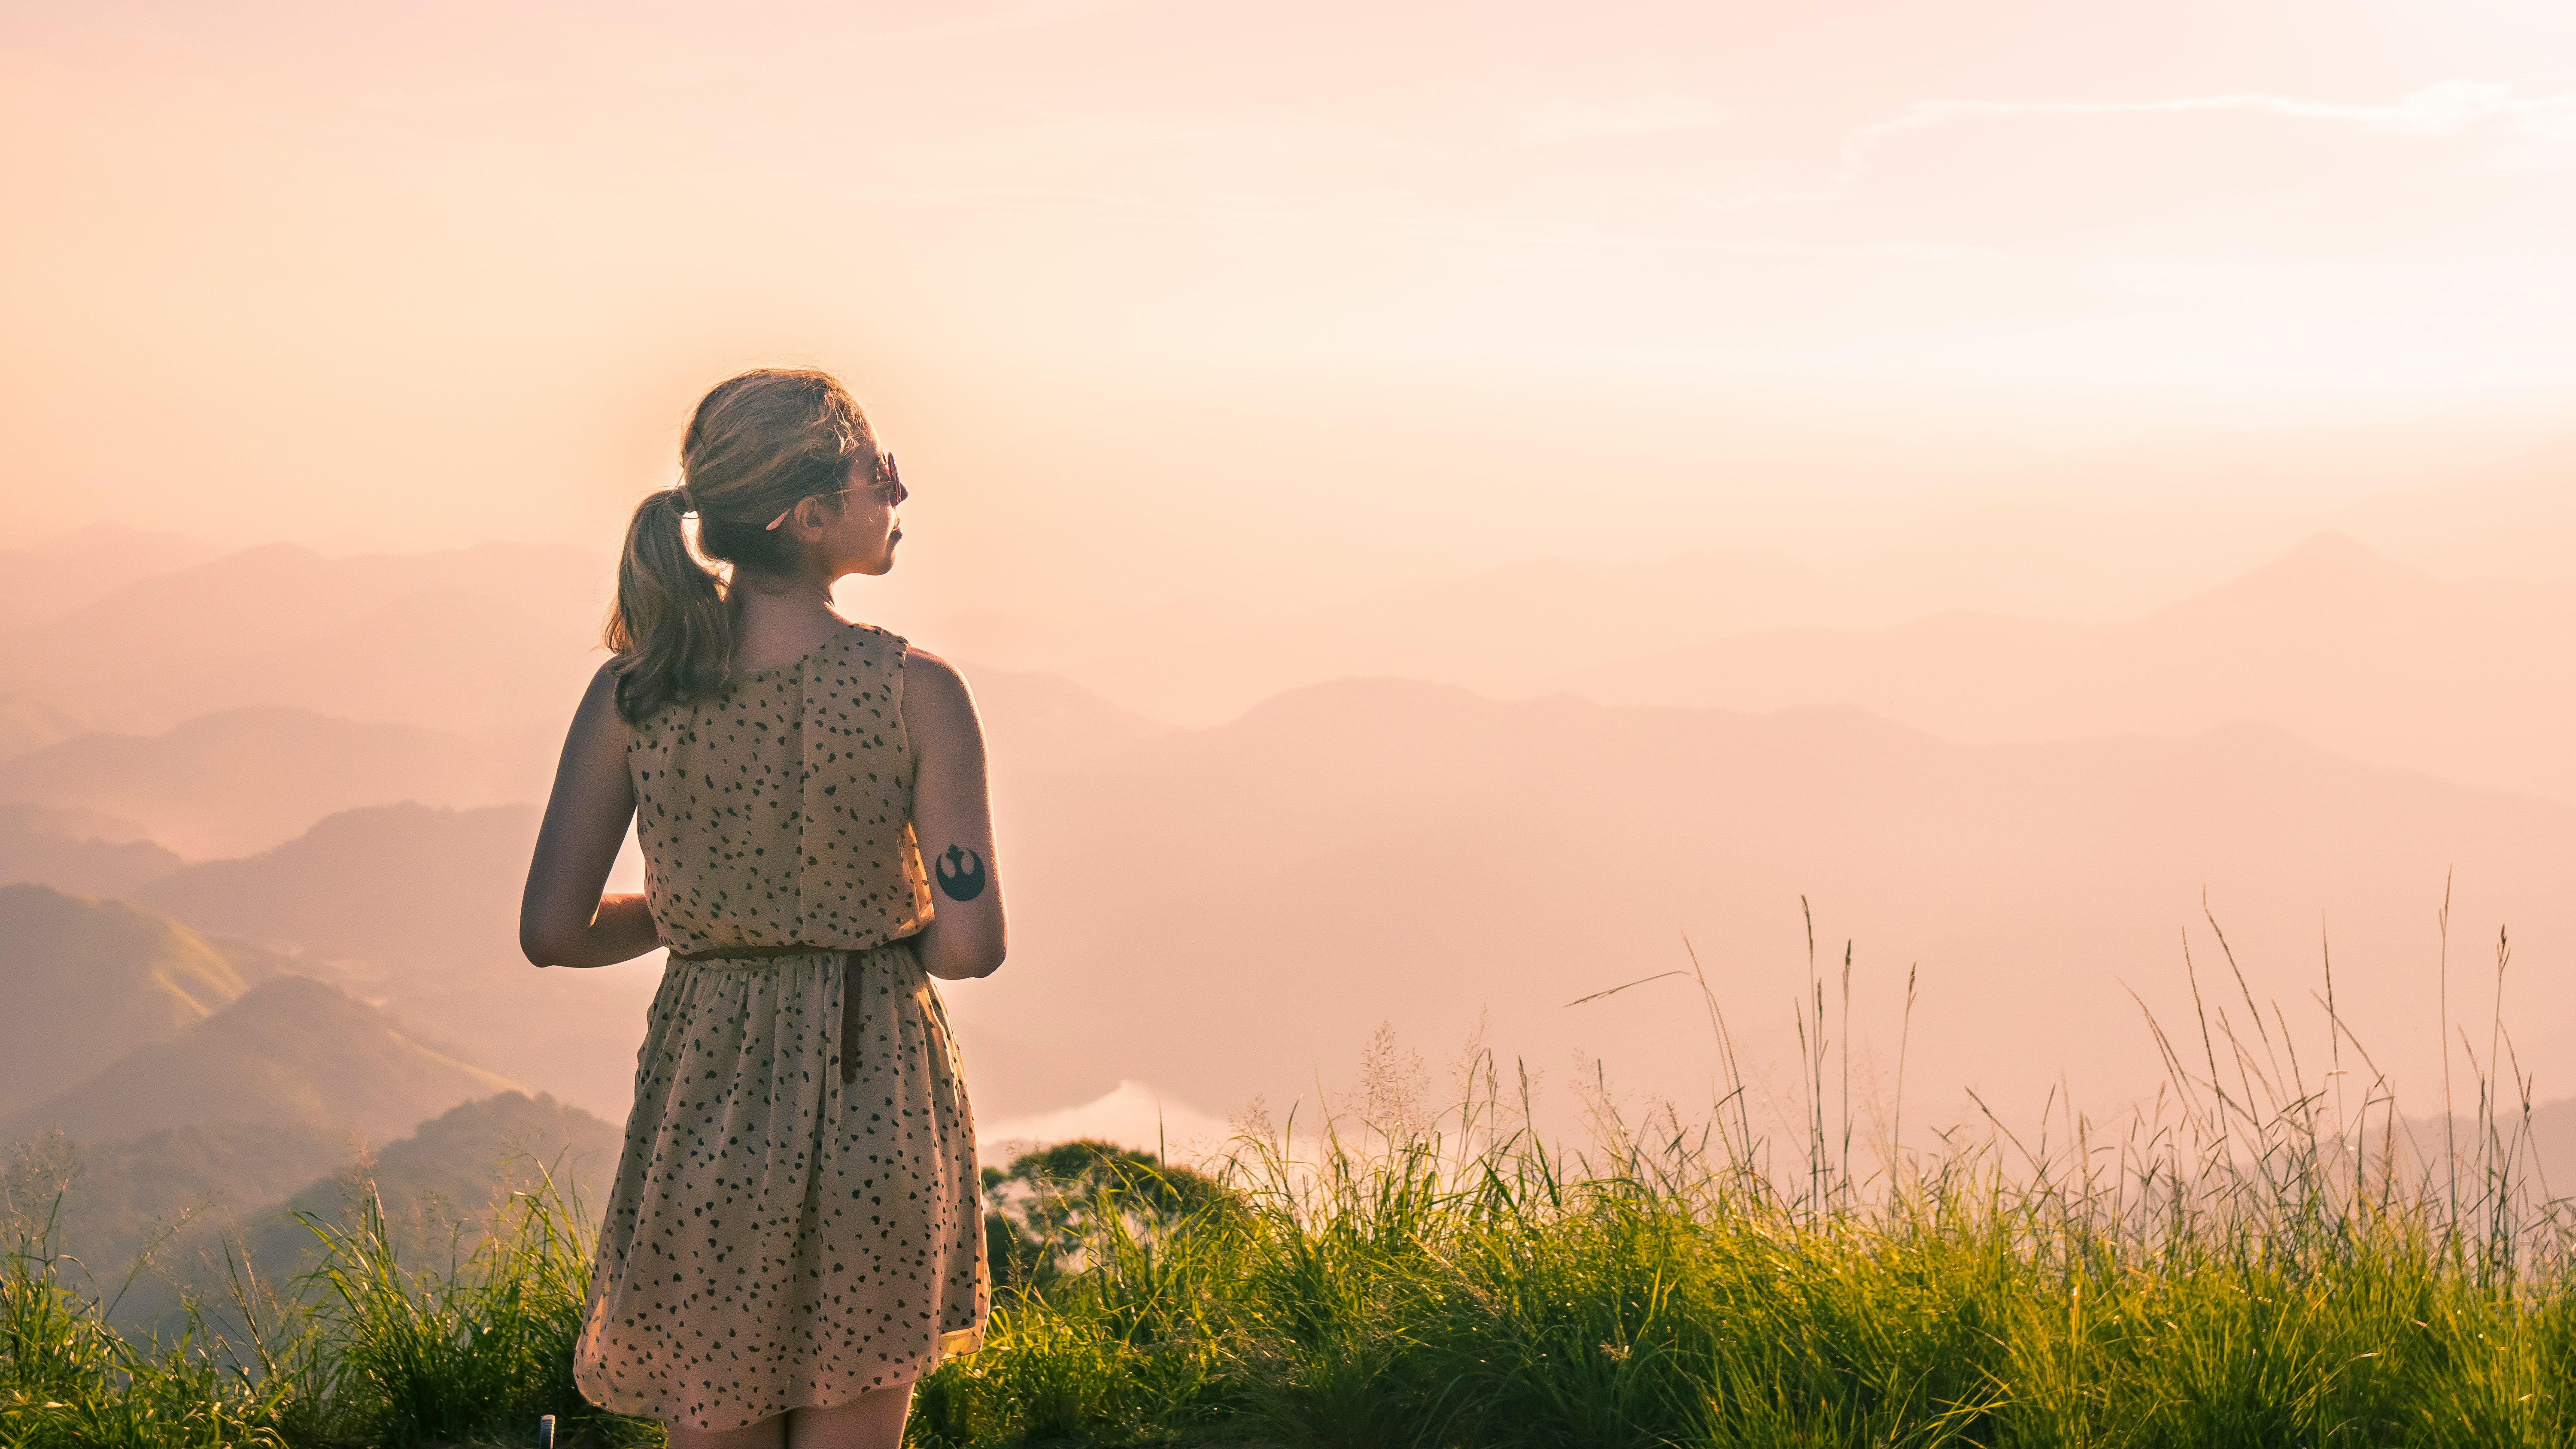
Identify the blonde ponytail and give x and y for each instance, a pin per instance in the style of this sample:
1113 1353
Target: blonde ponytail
757 444
672 632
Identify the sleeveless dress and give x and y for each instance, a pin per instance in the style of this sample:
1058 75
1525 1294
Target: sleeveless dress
796 1218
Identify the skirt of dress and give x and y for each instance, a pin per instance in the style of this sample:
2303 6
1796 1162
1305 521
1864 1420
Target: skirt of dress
779 1238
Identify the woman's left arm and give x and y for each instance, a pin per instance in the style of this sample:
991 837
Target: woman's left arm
952 818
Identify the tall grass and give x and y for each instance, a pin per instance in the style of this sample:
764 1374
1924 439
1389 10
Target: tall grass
1396 1298
363 1348
2261 1257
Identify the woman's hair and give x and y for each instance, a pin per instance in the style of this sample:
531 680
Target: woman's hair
758 444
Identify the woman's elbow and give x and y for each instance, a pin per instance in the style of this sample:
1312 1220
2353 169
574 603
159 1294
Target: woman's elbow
965 962
543 946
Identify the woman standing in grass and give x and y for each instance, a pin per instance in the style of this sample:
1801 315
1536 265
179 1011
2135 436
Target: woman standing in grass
795 1235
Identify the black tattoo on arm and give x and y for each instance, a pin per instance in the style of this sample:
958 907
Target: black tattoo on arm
961 874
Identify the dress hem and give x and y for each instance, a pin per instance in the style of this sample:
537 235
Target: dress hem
957 1343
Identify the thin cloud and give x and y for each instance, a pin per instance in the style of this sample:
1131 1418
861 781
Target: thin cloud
1602 120
2451 108
965 24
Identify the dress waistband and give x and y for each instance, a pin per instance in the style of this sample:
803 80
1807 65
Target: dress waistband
743 953
772 953
852 1011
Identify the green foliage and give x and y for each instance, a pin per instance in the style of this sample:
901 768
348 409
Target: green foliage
366 1350
1052 1203
67 1379
1403 1297
1399 1299
475 1351
2257 1270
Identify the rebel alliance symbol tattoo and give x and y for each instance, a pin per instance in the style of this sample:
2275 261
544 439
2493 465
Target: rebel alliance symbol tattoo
961 874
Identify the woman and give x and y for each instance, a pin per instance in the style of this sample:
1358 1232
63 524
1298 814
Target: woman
794 1236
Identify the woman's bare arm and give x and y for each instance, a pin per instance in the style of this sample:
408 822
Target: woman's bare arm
564 920
952 817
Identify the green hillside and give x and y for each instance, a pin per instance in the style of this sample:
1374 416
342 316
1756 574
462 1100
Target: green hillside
163 1191
171 1201
440 1182
291 1050
89 981
422 905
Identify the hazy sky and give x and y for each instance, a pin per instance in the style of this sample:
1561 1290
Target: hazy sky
1281 297
2099 303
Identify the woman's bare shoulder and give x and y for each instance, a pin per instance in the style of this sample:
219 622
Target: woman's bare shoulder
923 670
596 718
600 696
935 696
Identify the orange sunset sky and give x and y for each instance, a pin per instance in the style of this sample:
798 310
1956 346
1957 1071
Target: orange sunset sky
1287 299
1205 332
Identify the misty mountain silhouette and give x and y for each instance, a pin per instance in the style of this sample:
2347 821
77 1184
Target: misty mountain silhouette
1383 849
406 882
1371 848
290 1050
28 724
179 1187
64 849
72 570
91 980
2327 579
1500 630
1047 722
418 908
118 1197
498 635
2332 642
244 780
449 1173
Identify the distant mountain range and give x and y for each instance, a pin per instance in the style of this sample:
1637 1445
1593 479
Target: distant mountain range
289 1050
453 1168
89 981
497 636
248 779
418 909
77 850
2331 642
1385 850
2035 828
29 724
173 1195
412 906
1504 630
76 569
124 1022
155 1076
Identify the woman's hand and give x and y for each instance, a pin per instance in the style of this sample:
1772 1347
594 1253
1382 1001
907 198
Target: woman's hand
564 920
952 820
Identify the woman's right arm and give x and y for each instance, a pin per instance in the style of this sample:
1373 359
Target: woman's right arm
564 920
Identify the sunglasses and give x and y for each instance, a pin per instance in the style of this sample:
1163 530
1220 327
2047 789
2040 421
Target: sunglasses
889 481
